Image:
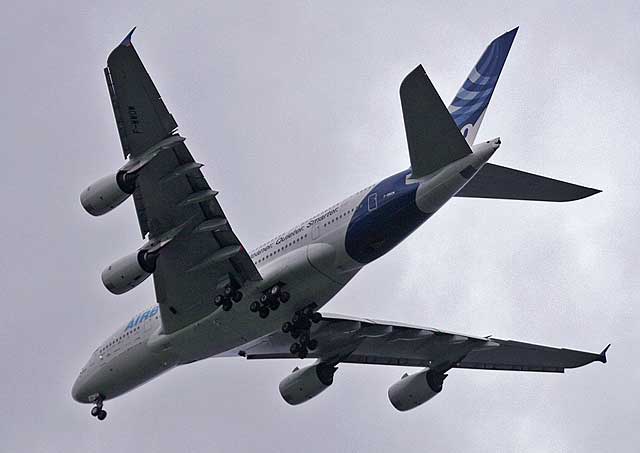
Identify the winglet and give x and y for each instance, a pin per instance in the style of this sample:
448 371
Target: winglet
603 354
126 42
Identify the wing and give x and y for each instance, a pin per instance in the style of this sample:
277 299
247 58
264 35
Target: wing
172 195
356 340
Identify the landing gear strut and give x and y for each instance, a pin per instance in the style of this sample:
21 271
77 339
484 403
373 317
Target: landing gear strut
97 410
299 327
270 300
231 294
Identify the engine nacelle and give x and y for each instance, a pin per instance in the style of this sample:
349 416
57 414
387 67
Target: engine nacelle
128 272
413 390
305 383
107 193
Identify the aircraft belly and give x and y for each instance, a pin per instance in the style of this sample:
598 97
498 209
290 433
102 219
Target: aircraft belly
225 330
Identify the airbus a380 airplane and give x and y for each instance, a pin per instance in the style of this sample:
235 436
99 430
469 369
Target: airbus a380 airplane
214 299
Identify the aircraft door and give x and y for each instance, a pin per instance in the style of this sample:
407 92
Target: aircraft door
373 202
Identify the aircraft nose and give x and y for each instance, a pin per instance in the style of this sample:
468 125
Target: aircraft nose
80 390
76 390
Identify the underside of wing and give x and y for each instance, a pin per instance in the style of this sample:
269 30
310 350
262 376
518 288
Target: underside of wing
178 211
357 340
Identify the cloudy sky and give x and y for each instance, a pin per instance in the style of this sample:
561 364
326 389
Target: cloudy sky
293 106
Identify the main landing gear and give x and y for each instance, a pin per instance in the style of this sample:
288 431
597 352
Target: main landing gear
97 410
270 300
299 328
230 295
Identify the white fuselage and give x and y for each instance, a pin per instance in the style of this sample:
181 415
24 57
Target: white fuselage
315 260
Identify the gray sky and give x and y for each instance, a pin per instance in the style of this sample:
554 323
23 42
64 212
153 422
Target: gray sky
292 107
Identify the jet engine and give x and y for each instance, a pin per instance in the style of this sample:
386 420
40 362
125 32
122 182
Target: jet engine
128 272
413 390
305 383
107 193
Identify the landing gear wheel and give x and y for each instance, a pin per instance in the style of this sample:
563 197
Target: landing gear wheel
274 290
286 327
264 299
228 290
95 411
227 305
218 300
102 414
237 296
303 353
264 312
316 318
313 344
284 297
307 312
296 319
295 348
274 304
254 307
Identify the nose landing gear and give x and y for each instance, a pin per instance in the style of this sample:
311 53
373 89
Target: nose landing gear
270 300
97 410
299 327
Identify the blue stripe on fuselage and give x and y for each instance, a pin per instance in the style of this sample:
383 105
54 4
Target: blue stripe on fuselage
373 232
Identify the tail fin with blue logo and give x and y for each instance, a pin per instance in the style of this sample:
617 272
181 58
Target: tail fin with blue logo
471 101
467 110
436 134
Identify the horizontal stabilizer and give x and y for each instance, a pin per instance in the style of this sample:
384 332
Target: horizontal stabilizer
434 139
494 181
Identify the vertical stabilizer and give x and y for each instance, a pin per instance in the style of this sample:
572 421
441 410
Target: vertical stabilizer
471 101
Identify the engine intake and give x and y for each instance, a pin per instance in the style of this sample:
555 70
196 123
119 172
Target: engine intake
128 272
413 390
305 383
107 193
